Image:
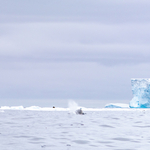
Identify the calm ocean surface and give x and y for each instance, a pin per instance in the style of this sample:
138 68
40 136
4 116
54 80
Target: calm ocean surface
108 129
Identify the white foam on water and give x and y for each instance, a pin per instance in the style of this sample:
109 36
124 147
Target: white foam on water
73 106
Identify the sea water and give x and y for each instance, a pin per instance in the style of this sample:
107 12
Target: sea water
105 129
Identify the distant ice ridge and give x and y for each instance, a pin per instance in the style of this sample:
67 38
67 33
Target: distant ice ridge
141 93
36 108
72 107
117 105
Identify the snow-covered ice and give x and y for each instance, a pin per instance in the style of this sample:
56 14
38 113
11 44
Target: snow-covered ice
141 93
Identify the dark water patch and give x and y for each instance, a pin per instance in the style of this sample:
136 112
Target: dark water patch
26 118
70 135
37 139
93 121
64 132
131 118
81 141
16 126
36 142
91 139
60 138
116 118
11 143
93 145
105 142
10 123
138 122
63 138
77 124
63 143
136 141
74 127
107 126
110 146
43 146
23 136
121 139
65 127
107 117
142 126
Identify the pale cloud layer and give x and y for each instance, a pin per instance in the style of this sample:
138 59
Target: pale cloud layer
72 49
92 42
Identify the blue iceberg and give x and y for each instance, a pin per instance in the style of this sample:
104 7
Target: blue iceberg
141 93
117 105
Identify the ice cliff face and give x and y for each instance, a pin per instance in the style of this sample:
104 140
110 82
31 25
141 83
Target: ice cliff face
141 93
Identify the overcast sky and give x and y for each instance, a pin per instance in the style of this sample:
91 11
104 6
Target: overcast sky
72 49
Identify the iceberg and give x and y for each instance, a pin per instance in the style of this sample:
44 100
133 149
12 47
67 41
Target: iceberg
117 105
141 93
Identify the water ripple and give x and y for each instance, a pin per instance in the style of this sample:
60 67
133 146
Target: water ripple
81 141
107 126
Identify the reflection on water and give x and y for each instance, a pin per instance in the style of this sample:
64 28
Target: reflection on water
106 130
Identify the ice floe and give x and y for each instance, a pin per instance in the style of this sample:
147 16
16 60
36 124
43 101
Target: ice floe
117 105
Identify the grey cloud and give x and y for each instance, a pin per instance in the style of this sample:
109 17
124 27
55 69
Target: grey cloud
110 11
73 42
